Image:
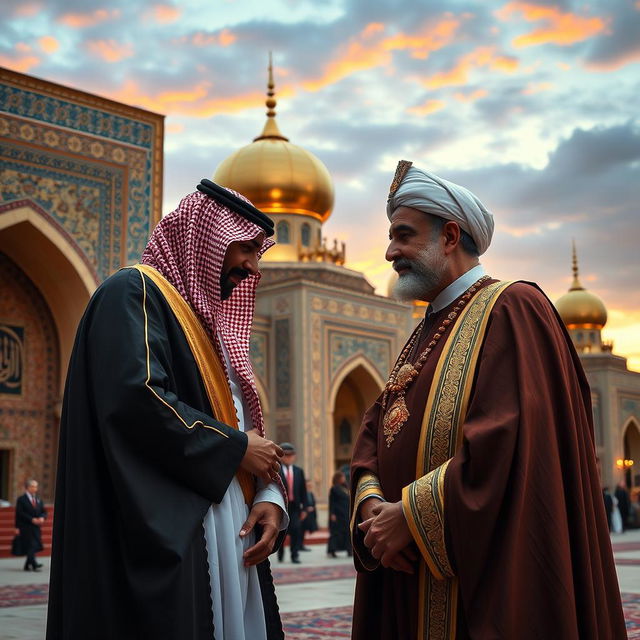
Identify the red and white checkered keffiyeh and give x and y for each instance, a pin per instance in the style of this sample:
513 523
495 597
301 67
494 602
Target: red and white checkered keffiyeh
188 247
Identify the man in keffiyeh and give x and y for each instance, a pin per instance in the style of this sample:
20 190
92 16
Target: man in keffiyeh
168 497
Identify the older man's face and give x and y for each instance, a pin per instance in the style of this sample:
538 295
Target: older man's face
417 255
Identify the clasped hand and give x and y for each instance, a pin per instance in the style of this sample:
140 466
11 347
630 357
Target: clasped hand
387 534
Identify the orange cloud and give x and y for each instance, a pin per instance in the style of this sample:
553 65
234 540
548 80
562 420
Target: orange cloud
371 49
559 27
430 106
165 13
23 61
223 39
480 57
192 102
110 50
471 97
83 20
48 44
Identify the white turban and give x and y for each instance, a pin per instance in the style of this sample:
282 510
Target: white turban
431 194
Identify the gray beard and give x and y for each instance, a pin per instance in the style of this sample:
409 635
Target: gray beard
423 278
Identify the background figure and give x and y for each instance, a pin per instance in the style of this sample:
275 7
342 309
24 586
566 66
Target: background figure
624 504
310 523
616 518
296 486
30 514
608 506
339 536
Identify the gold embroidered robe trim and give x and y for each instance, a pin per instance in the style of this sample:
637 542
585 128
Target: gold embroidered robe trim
368 485
440 438
211 368
423 506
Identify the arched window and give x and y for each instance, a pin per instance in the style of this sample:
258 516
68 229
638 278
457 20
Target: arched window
306 235
283 232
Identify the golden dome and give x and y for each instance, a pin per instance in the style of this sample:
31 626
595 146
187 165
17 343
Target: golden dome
579 308
276 175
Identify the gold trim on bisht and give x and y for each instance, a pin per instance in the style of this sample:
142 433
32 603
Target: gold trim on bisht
208 362
401 172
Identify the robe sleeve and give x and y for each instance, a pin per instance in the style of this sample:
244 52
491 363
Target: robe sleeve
139 415
527 395
365 483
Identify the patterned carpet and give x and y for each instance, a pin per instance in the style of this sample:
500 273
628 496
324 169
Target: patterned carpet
626 546
631 605
318 624
313 574
18 596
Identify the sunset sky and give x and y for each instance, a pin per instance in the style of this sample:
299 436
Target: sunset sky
531 105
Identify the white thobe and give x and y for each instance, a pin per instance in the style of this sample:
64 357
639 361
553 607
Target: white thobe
238 613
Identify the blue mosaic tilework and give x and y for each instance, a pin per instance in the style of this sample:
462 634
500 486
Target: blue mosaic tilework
49 140
73 192
50 110
344 346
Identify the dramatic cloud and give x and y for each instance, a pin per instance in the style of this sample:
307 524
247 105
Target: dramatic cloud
558 27
84 20
110 50
532 105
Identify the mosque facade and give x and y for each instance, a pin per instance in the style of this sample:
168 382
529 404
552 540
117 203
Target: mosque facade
80 190
615 390
323 341
81 181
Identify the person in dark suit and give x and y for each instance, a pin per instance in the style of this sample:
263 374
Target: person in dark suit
30 514
624 503
339 533
310 523
295 483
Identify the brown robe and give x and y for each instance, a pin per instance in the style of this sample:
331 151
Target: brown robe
524 523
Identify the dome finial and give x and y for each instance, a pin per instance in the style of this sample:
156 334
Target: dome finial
270 129
575 286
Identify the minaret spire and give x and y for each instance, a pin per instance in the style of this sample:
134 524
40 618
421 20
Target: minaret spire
575 286
270 129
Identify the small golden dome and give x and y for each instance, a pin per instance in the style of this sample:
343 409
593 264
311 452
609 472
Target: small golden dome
276 175
579 308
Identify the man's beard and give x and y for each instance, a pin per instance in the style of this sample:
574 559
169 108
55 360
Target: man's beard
227 285
424 276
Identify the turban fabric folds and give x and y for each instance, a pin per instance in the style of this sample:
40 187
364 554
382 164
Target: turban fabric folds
428 193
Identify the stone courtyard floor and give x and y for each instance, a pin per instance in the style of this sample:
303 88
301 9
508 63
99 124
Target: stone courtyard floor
315 597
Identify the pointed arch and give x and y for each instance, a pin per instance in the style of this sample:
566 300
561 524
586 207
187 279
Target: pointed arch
347 368
54 262
631 450
354 388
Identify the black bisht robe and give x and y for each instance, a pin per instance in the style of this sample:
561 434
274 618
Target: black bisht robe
137 472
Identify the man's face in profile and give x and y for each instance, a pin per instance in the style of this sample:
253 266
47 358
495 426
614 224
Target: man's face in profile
240 261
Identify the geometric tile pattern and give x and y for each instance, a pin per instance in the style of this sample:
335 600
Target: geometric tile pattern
93 165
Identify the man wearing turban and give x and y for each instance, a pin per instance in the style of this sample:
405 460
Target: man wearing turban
168 497
477 510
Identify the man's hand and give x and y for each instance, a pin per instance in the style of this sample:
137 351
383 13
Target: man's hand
261 457
366 508
388 536
268 516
